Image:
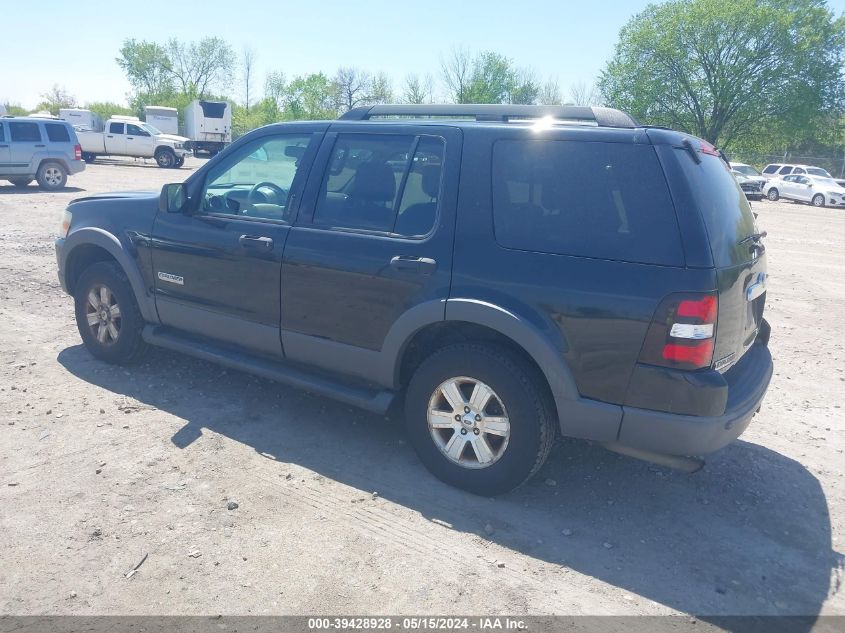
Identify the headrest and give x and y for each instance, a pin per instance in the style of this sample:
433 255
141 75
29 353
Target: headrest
431 180
374 182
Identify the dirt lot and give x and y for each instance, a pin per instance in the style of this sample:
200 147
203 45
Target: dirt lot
102 466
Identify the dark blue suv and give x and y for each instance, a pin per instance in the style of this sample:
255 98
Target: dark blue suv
513 272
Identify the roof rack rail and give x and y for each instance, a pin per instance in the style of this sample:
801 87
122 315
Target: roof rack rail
603 117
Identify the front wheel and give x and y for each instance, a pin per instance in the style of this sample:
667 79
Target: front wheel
107 314
51 176
773 194
818 200
165 158
478 417
180 161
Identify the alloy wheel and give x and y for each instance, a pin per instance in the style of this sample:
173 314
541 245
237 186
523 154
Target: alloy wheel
103 315
468 422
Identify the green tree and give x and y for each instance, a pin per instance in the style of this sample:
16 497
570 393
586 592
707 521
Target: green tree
15 109
491 80
198 68
311 97
725 69
107 109
416 90
147 67
55 99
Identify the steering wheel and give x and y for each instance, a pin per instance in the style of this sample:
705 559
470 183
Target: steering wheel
281 194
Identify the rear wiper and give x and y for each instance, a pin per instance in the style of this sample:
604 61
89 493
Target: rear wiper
754 236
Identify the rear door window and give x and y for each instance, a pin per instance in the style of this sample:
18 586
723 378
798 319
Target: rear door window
21 132
57 133
115 128
382 182
589 199
785 170
770 169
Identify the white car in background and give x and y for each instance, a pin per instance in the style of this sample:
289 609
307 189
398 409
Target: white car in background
819 191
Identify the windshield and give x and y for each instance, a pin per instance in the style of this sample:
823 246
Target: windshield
818 171
151 129
746 170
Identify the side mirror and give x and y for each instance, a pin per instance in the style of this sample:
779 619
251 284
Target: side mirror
173 198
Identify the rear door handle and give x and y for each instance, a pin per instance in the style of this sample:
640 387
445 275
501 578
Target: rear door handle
408 264
255 241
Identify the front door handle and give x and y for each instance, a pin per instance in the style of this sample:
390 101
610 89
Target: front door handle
408 264
255 241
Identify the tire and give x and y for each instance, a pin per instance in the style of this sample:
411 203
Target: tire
773 195
89 158
126 321
180 161
20 183
818 200
519 412
165 158
51 176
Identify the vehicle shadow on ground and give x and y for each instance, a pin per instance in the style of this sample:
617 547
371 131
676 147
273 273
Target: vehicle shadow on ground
748 535
149 164
11 190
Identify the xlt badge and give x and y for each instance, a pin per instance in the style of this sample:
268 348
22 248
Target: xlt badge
174 279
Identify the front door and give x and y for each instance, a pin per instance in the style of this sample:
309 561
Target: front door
25 143
217 268
374 243
139 142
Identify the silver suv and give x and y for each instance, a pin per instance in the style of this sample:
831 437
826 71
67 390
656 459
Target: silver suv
45 150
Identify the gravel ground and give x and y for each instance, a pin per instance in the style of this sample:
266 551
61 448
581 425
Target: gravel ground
102 468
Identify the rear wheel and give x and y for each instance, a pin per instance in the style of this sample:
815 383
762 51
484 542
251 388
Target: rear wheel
165 158
773 194
51 176
818 200
20 182
88 158
479 418
107 314
180 161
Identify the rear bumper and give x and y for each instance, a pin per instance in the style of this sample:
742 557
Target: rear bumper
678 434
76 166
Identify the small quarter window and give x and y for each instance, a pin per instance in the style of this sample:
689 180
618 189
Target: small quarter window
57 133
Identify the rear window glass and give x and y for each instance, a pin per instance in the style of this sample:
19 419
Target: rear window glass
591 199
722 205
57 133
213 109
25 132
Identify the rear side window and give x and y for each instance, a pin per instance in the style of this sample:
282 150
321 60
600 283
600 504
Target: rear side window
25 132
57 133
723 207
590 199
116 128
382 182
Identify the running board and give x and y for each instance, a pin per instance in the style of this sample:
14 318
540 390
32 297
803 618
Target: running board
678 462
368 399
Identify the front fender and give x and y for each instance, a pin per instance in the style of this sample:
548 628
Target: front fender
92 236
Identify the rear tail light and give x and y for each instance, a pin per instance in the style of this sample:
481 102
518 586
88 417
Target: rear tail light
77 152
682 332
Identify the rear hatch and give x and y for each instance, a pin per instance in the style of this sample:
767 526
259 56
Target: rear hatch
737 248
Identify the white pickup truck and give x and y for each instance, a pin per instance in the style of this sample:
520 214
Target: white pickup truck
128 136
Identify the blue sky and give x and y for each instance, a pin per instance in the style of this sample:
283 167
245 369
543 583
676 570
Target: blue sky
75 47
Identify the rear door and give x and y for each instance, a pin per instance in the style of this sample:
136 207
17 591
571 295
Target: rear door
373 242
116 139
737 250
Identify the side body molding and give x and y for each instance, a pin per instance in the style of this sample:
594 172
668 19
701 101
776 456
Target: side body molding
579 417
92 236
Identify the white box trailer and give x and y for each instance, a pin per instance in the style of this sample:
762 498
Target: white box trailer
208 125
163 118
85 118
